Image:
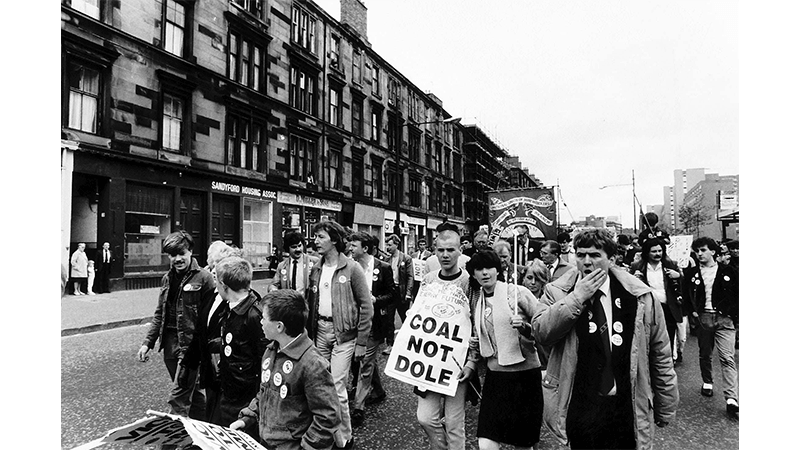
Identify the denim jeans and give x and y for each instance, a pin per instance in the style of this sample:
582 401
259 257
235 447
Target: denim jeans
189 401
340 354
680 337
718 330
430 410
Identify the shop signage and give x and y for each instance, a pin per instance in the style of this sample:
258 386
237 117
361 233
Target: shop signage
243 190
149 229
303 200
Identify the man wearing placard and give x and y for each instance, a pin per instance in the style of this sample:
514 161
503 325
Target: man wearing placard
442 295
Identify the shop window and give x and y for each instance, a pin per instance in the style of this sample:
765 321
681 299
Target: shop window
303 157
257 229
148 214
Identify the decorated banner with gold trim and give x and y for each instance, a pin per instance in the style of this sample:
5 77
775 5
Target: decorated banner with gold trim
534 209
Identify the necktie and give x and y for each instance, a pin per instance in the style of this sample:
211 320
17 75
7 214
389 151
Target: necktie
607 378
294 274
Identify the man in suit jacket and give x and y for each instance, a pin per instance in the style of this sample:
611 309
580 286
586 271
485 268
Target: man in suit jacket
292 272
403 275
503 250
550 255
380 280
102 263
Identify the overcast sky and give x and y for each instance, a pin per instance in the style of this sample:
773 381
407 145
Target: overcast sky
584 92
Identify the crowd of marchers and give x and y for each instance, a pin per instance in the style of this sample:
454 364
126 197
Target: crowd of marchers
580 334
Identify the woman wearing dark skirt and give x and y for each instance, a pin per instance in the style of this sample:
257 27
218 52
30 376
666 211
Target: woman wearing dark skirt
511 404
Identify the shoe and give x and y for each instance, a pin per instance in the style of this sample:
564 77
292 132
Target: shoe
348 444
357 418
707 390
375 399
732 407
387 350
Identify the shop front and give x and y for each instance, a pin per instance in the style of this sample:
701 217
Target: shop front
301 212
371 219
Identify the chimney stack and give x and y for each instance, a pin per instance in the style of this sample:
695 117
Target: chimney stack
354 13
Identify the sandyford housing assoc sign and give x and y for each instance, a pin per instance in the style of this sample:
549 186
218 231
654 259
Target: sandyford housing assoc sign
534 209
431 347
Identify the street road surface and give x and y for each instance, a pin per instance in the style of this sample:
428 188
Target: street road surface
103 386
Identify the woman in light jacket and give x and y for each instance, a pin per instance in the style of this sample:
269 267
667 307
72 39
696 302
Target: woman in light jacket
511 406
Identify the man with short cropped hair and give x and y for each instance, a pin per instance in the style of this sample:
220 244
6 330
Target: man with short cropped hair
550 255
403 274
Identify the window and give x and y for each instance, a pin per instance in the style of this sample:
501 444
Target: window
356 67
394 92
246 142
358 175
376 80
428 153
376 126
334 52
457 167
438 157
446 200
245 61
429 189
413 146
335 109
172 123
377 178
391 132
304 27
303 157
302 91
447 172
392 183
257 233
254 7
457 208
89 7
414 192
174 26
357 111
84 97
335 169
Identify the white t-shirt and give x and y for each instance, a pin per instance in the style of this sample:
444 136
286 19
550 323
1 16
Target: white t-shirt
325 299
655 277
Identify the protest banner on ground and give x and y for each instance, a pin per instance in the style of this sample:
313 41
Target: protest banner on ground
166 429
679 249
431 346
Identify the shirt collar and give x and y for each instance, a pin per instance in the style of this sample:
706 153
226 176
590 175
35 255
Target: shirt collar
605 288
296 349
242 305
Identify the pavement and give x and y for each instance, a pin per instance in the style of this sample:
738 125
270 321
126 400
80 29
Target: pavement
82 314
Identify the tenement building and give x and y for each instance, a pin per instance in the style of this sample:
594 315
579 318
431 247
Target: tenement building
239 121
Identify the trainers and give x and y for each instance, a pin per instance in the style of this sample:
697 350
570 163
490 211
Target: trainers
387 350
707 390
732 407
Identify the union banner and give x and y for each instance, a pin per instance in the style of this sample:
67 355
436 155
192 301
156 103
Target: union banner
534 209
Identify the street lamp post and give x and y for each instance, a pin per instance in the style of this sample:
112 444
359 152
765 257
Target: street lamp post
633 192
398 182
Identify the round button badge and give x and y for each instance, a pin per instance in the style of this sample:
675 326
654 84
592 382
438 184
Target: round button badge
265 376
228 338
265 364
592 327
228 350
616 340
618 327
284 391
618 303
287 367
342 279
277 378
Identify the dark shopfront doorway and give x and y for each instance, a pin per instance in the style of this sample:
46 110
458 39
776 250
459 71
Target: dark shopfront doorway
225 220
193 221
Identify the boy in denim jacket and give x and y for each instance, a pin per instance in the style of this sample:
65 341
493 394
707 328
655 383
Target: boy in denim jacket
296 406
